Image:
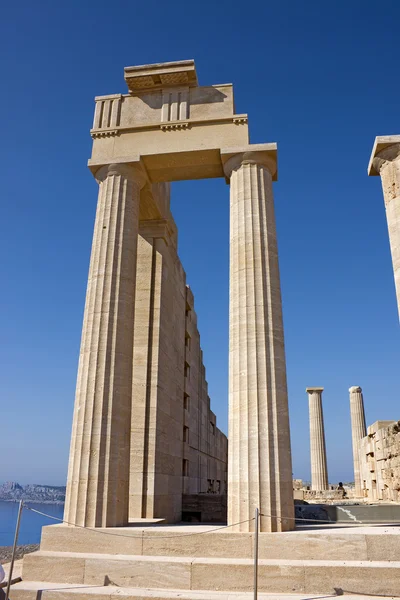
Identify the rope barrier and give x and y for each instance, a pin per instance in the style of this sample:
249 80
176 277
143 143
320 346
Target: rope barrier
280 518
129 536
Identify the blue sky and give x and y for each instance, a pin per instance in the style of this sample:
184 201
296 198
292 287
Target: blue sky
321 79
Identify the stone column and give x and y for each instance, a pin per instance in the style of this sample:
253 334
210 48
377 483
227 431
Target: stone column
319 470
358 431
98 473
385 161
259 463
158 376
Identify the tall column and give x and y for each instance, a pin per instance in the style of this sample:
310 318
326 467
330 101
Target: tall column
385 161
259 463
358 431
158 375
98 473
319 470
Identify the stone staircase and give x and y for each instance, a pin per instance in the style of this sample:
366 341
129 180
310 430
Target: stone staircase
166 562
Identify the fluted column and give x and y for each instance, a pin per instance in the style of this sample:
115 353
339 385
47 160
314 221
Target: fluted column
259 464
358 431
385 161
98 473
154 492
319 470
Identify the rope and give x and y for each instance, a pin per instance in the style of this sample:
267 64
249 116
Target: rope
129 536
355 522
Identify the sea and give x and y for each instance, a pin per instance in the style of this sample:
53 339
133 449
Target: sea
31 523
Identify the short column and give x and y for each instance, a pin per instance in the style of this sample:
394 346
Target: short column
385 161
98 474
358 431
319 470
259 463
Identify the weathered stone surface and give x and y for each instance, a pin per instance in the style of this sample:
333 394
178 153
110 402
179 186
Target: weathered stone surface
380 461
98 473
358 431
319 468
171 416
259 465
385 161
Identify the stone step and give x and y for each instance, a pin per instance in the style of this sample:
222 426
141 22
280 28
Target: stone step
214 574
32 590
364 543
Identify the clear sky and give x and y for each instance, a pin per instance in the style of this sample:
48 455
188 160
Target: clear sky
319 78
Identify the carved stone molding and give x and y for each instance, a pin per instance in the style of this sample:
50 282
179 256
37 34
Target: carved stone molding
129 171
243 158
387 155
174 126
240 120
104 133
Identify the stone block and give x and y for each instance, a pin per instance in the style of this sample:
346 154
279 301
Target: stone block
385 547
63 567
140 571
352 577
75 539
35 590
238 575
309 546
205 545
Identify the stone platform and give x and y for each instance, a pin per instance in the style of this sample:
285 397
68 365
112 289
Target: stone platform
195 561
351 512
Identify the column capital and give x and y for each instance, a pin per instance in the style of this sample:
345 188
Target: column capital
354 389
314 390
132 171
259 154
386 149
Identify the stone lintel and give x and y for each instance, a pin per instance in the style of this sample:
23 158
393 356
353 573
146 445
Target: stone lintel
156 228
311 390
196 163
108 97
160 75
381 142
268 152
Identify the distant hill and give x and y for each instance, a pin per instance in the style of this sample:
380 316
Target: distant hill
42 494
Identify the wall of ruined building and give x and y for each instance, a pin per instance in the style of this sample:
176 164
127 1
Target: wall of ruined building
205 447
380 461
176 447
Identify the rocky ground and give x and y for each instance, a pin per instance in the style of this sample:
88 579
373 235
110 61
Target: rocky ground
6 551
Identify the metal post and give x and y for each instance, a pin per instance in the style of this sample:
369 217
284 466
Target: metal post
256 519
21 504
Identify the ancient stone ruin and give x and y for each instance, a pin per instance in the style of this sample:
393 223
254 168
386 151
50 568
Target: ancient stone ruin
145 449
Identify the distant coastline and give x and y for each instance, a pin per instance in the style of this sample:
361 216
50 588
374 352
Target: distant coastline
12 491
31 501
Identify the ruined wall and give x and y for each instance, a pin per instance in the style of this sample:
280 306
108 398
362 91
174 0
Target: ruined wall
176 447
380 461
205 447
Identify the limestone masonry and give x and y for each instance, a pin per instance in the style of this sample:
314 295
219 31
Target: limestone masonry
145 447
176 447
358 431
319 469
143 434
380 461
385 161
